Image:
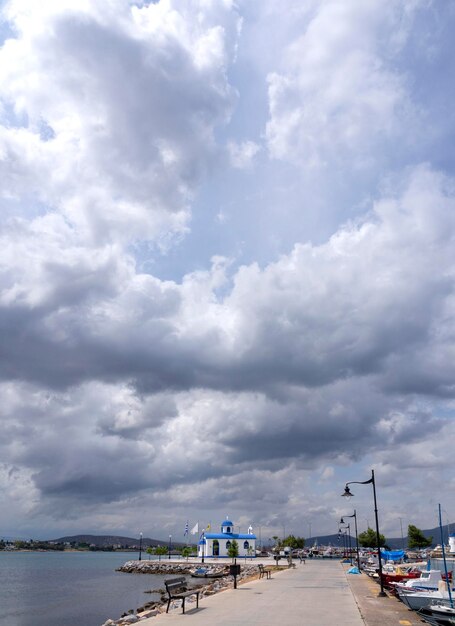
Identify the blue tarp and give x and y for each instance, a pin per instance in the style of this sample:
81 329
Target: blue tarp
353 570
392 555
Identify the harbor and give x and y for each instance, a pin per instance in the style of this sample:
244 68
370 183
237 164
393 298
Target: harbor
315 591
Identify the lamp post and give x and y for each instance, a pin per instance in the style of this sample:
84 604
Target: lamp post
170 545
348 494
354 515
140 546
347 528
342 533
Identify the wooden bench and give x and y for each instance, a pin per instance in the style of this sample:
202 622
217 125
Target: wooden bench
264 571
177 590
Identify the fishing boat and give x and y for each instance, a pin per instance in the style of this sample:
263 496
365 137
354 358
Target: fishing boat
438 615
203 572
427 581
392 574
418 599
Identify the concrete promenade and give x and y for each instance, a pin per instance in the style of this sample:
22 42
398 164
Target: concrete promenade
318 593
314 594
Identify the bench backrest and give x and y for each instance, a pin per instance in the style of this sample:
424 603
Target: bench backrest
174 585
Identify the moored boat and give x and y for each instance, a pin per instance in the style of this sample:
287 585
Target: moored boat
203 572
428 580
419 599
438 615
396 573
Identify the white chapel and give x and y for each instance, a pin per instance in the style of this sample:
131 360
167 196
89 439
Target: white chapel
217 544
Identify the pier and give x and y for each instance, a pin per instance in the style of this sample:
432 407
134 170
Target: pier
318 593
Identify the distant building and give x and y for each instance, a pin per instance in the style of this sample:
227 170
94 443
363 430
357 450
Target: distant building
452 543
217 544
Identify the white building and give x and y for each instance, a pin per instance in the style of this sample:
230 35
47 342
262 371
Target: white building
216 545
452 543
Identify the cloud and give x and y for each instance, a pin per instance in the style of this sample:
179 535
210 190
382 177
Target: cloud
339 95
163 385
242 155
112 111
256 381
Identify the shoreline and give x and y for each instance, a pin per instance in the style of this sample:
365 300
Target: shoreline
209 587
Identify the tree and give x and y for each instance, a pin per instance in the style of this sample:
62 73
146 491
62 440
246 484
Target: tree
186 552
160 551
367 539
149 550
233 550
416 538
293 542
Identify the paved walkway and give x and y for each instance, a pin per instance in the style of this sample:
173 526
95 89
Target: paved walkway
314 594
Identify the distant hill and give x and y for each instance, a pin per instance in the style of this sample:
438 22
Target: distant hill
103 541
392 542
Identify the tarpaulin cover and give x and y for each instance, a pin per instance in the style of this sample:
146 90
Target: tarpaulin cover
353 570
392 555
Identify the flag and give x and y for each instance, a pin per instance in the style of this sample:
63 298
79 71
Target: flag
195 529
186 529
208 526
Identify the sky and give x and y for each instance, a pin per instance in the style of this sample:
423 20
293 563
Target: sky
226 265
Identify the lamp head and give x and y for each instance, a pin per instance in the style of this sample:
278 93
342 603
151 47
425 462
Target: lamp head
341 521
347 493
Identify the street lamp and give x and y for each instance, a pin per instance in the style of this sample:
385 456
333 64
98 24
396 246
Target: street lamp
342 533
170 539
354 515
348 494
348 541
140 546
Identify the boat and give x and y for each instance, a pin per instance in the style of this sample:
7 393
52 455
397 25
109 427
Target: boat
203 572
419 599
422 599
392 574
428 580
438 615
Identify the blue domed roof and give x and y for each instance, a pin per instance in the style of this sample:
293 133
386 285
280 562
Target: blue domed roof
227 523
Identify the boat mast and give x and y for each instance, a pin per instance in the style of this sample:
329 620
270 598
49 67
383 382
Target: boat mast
444 558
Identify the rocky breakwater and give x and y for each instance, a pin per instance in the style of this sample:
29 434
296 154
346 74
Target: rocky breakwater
160 567
207 586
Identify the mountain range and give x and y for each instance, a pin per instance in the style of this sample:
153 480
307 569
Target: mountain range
392 542
102 541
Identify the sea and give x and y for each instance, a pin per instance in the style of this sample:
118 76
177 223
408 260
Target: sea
70 588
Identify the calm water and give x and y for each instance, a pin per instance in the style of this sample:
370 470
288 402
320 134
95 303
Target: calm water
69 589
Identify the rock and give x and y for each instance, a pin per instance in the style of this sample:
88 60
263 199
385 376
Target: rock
130 619
151 613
